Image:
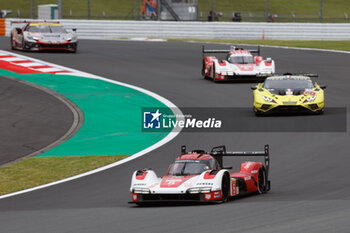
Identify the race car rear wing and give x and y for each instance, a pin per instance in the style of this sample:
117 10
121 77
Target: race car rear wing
40 21
233 48
311 75
219 152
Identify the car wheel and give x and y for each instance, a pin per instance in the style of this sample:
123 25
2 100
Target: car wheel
214 79
262 181
203 71
257 112
11 42
319 112
143 204
23 44
225 187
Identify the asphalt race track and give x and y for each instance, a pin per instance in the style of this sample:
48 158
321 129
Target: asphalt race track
30 119
309 173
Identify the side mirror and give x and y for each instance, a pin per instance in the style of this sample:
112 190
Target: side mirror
253 88
19 30
183 149
323 86
74 29
269 60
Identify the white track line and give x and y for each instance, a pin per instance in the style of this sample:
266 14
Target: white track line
165 140
30 64
47 70
9 59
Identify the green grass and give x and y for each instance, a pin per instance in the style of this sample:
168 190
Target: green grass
129 9
121 9
37 171
335 45
283 8
279 6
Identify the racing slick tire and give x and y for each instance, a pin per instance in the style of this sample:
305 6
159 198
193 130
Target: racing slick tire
214 79
258 112
225 187
320 112
23 45
262 181
75 49
11 42
203 71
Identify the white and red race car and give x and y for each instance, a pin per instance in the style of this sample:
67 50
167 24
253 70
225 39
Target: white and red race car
239 64
199 176
42 35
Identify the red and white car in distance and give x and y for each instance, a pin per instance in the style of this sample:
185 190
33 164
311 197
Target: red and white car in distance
200 176
42 35
239 64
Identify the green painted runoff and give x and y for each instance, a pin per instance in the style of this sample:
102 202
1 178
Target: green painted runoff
112 115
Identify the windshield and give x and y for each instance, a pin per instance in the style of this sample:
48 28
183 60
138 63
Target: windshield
298 85
46 29
191 167
241 59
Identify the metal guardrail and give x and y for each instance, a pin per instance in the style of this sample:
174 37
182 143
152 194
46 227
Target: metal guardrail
113 29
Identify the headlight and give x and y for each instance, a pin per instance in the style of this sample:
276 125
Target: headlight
311 98
268 99
199 190
32 38
141 190
72 38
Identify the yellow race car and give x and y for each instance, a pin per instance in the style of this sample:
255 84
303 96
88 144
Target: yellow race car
288 93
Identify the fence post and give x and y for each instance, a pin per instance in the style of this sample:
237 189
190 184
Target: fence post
293 16
32 9
88 9
321 9
60 9
346 18
267 10
158 9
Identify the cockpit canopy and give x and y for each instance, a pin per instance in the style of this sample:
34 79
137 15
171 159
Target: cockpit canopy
45 28
192 167
279 86
240 59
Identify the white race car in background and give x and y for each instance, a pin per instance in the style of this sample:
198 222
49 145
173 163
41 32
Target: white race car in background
42 35
239 64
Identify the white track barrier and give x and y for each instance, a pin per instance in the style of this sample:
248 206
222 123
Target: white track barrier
115 29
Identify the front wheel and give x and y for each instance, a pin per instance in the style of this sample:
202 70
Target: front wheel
225 187
319 112
203 70
23 44
262 181
258 112
11 42
214 78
